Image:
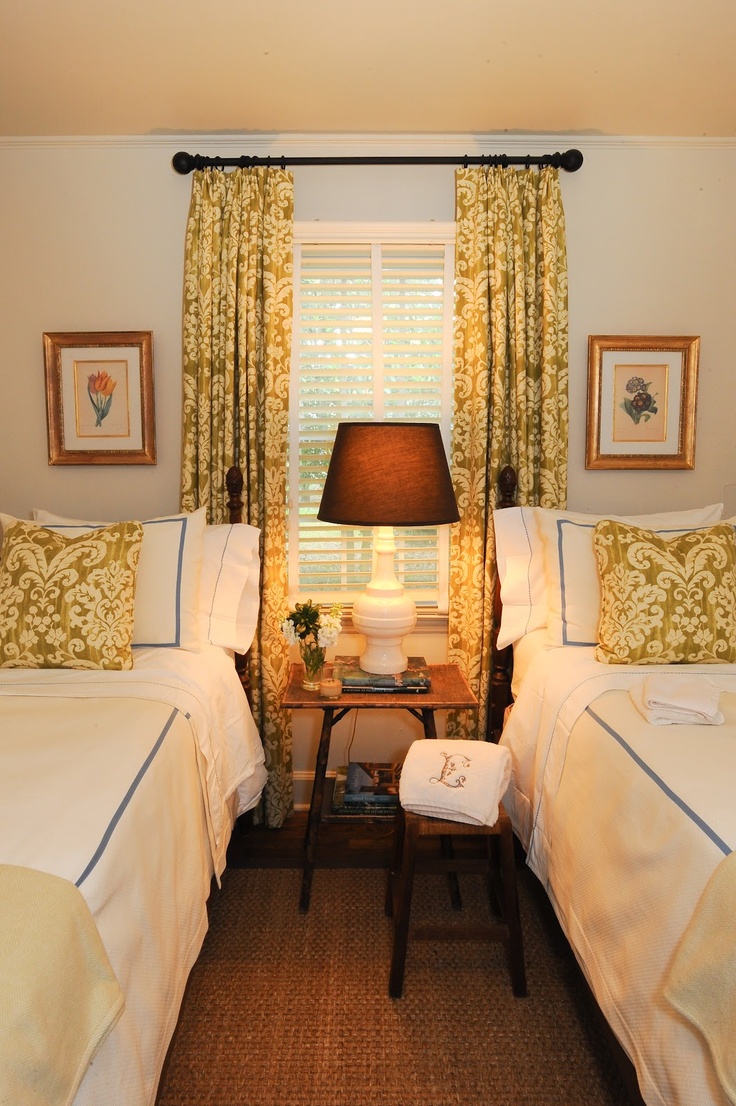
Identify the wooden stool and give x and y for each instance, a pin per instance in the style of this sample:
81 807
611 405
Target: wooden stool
498 864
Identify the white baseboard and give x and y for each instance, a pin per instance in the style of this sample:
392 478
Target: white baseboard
303 783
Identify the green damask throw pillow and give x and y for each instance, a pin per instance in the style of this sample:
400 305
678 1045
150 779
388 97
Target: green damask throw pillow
68 602
666 602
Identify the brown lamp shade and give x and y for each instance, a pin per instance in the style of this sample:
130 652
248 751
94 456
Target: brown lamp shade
388 474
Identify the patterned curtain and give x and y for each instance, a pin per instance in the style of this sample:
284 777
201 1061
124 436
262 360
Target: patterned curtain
237 344
510 401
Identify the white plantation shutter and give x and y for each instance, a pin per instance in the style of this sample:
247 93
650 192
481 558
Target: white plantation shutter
372 339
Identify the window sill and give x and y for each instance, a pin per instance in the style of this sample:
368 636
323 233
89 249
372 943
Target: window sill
428 622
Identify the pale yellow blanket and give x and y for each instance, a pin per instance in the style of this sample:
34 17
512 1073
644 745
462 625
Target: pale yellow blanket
59 997
702 981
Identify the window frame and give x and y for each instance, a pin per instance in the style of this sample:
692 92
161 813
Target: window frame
371 233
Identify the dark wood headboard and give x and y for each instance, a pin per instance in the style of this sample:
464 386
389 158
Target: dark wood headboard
503 659
234 485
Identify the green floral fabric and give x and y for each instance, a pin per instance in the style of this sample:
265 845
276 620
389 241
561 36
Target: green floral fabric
68 602
238 281
510 386
666 601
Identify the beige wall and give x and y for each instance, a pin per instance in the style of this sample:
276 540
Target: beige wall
91 238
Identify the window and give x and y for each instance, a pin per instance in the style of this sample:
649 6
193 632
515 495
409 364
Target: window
372 339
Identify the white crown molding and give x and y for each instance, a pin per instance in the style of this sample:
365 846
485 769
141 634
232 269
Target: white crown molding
316 145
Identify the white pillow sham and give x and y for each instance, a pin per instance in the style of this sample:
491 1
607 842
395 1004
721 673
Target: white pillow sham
573 586
520 562
229 594
167 585
521 558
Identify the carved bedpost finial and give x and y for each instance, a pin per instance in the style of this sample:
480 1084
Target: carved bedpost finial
502 664
234 485
507 487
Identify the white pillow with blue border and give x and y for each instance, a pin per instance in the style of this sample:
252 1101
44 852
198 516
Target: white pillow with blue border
573 585
167 585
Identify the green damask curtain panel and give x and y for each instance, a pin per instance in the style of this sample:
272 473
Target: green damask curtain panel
238 277
510 390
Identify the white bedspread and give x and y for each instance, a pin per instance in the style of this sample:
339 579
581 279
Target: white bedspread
558 687
127 784
625 823
702 981
204 687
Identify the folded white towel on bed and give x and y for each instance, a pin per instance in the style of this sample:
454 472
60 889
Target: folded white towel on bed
460 780
666 699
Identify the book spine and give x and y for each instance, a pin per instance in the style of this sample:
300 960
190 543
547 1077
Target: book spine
383 809
368 679
338 793
358 804
369 800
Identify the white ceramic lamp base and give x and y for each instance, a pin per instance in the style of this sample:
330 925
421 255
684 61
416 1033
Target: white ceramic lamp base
384 614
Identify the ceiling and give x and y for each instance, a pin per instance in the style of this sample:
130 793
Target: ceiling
147 67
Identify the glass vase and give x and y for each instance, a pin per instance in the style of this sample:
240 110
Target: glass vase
313 658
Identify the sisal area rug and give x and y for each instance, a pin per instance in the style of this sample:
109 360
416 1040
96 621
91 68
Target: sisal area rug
286 1009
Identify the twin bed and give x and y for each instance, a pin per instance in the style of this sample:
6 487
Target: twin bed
630 823
125 786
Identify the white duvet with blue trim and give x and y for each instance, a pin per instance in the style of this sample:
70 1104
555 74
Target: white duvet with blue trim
624 823
127 785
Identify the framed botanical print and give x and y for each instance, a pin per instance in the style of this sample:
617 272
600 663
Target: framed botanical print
642 400
99 398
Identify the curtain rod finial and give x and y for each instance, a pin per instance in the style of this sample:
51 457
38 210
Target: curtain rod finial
571 160
183 163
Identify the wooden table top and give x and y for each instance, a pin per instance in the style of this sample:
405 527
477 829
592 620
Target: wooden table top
449 690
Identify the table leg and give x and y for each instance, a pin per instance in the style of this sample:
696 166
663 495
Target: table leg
430 729
315 809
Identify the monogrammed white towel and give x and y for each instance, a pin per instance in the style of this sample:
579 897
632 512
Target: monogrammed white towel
667 699
463 781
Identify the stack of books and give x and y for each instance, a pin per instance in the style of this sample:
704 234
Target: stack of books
366 787
414 678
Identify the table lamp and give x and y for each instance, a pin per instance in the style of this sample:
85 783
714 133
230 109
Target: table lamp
386 474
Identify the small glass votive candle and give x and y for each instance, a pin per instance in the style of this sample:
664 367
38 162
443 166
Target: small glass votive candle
330 684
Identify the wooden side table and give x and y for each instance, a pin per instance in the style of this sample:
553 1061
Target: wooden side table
449 691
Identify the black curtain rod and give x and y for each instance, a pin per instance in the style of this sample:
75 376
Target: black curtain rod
569 160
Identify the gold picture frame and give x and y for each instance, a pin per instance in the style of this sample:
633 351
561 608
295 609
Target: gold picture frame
99 397
642 402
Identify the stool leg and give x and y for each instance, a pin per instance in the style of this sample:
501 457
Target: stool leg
495 892
395 862
446 847
511 914
402 910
